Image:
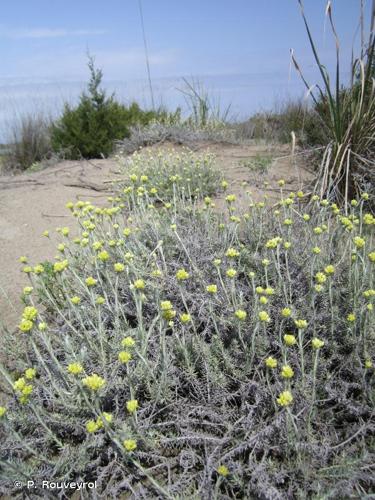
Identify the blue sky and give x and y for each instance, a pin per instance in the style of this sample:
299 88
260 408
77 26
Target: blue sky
238 48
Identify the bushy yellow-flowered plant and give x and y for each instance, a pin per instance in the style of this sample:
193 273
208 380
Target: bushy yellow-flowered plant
176 338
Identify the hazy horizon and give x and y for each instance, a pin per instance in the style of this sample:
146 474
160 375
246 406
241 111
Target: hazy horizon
240 50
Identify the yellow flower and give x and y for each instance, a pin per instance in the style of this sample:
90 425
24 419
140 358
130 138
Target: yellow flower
329 269
165 305
139 284
94 382
23 259
316 250
271 362
30 373
240 314
230 198
130 444
232 253
99 300
42 326
368 364
59 267
27 390
368 219
263 300
97 245
231 273
30 313
222 470
300 323
132 405
128 342
211 288
124 357
318 230
106 417
285 398
273 243
103 255
359 242
288 222
3 411
266 262
127 231
264 316
92 426
269 291
185 318
281 182
289 339
371 257
39 269
317 343
75 368
182 275
118 267
75 300
19 384
224 184
320 277
286 312
287 371
351 317
156 273
26 325
306 217
318 288
28 290
90 281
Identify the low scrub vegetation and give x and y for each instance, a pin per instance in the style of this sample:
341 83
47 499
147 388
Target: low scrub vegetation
172 351
277 125
90 129
172 175
29 142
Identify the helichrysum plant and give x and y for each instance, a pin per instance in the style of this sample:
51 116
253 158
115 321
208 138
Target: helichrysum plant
172 350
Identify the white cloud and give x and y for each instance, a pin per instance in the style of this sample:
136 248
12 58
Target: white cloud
37 33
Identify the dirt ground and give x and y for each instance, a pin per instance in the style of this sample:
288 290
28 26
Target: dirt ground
34 202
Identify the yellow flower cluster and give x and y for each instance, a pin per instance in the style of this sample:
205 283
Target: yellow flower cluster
94 382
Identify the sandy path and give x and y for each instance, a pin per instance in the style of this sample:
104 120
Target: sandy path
32 203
